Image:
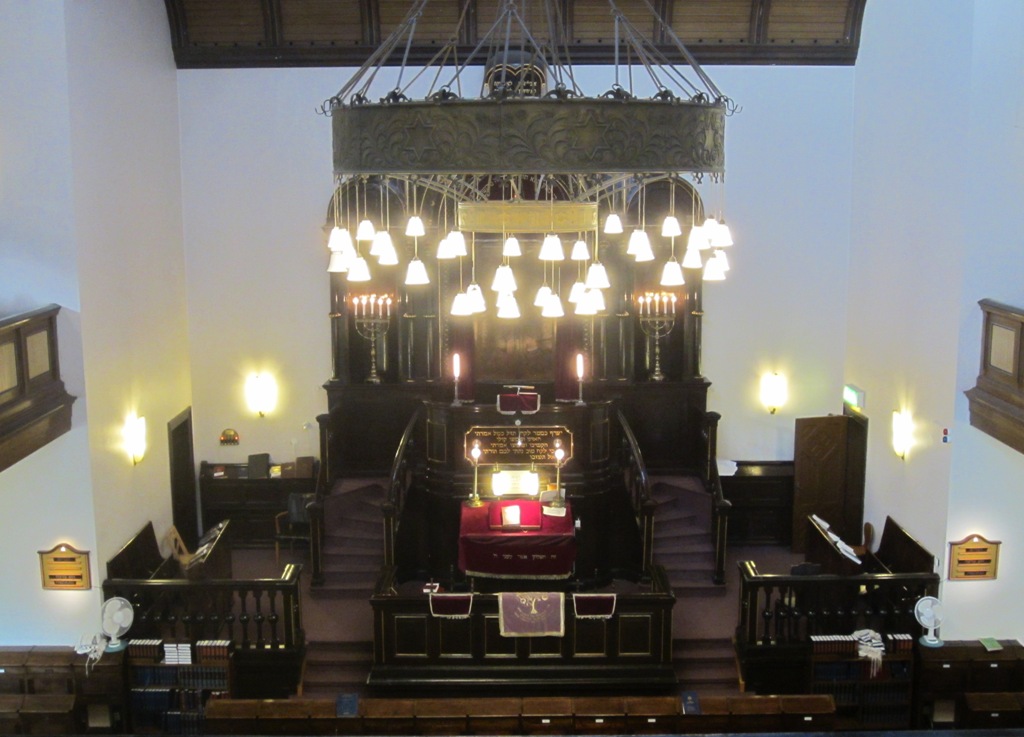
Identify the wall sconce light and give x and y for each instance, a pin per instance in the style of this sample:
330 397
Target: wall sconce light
902 432
774 391
134 437
261 393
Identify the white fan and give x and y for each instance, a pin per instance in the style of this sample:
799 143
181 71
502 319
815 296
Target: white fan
928 612
117 618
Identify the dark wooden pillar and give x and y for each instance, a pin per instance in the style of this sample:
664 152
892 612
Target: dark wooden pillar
339 328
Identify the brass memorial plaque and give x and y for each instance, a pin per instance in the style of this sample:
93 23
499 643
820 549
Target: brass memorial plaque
509 445
63 567
973 558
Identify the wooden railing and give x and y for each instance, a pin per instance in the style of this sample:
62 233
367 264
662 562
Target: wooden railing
783 609
399 482
720 506
263 613
638 486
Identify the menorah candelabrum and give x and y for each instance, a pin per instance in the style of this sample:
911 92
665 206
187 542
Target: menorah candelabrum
373 318
657 315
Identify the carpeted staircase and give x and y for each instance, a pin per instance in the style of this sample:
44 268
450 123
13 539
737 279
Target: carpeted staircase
353 551
334 668
682 535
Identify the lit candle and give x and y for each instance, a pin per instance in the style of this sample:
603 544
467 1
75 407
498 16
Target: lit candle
355 306
456 368
362 304
673 304
657 304
579 366
389 306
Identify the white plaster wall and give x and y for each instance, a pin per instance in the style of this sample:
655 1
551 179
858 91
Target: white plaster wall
907 252
47 497
783 306
125 164
257 179
987 481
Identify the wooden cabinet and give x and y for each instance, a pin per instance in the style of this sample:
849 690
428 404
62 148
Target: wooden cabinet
830 455
761 493
226 492
54 690
945 674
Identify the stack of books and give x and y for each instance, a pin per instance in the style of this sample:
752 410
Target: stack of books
177 653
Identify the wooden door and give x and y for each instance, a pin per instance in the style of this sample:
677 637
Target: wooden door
829 459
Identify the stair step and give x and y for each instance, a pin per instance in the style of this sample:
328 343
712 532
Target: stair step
684 589
700 563
340 561
343 590
356 531
338 651
683 545
675 514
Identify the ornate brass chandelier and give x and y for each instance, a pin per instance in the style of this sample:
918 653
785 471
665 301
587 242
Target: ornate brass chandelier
528 161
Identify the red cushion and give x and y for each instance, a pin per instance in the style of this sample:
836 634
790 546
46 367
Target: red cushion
529 514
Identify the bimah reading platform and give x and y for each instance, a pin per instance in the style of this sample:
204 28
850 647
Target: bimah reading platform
833 593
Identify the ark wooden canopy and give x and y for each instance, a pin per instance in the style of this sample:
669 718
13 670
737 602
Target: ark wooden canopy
271 33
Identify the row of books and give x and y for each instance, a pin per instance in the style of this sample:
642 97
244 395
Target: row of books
209 651
204 677
840 644
899 642
156 651
145 650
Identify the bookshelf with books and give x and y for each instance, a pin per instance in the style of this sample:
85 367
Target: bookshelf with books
870 693
251 494
170 684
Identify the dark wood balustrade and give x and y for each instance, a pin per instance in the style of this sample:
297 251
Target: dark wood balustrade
638 486
720 506
255 614
787 610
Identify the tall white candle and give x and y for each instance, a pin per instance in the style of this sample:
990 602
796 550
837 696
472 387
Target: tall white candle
456 367
579 366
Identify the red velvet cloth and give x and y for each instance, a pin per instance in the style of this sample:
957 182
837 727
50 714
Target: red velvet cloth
549 552
525 402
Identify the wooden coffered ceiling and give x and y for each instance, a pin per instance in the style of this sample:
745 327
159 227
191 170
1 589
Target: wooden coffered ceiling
270 33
